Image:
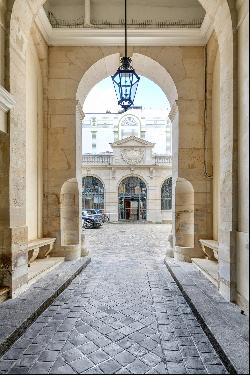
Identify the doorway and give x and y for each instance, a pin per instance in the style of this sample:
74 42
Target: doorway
132 197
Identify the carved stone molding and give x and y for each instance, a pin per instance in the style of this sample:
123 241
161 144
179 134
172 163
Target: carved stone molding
2 13
173 112
242 7
132 156
80 111
7 101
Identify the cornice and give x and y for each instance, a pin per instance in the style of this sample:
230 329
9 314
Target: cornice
114 37
139 142
7 101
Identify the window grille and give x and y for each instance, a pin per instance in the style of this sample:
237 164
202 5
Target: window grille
166 195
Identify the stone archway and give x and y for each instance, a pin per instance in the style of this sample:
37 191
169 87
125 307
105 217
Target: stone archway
93 193
132 199
223 16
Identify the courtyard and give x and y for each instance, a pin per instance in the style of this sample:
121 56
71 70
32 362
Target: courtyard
123 314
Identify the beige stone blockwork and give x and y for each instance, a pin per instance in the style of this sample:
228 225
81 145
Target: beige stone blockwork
62 88
62 107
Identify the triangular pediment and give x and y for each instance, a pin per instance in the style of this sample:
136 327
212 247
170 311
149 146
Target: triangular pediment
132 141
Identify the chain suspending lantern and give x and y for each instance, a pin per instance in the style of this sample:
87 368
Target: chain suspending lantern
126 80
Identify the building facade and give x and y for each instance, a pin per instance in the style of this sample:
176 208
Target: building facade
102 129
129 184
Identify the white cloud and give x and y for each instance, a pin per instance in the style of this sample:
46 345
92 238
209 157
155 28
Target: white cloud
101 99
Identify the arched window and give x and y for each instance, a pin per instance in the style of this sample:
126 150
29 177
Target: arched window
166 195
92 193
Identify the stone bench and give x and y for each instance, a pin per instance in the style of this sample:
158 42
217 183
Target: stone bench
40 248
210 248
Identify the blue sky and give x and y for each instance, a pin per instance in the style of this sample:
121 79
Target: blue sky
102 97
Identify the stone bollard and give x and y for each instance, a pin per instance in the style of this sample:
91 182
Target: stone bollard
72 252
170 250
84 250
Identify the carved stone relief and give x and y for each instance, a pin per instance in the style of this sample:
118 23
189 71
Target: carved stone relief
132 156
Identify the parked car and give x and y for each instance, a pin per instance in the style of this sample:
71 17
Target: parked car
100 213
105 217
96 213
91 220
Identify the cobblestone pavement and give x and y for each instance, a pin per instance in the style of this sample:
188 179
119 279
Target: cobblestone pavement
124 314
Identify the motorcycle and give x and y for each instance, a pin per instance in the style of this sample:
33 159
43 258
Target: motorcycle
88 223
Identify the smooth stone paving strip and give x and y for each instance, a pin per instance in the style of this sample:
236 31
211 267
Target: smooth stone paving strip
223 321
123 314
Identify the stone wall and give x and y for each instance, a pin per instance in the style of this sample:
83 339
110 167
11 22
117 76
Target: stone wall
243 159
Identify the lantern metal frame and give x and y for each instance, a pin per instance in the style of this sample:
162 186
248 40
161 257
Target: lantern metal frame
126 80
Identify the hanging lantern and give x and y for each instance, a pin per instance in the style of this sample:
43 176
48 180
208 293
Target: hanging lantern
126 80
125 83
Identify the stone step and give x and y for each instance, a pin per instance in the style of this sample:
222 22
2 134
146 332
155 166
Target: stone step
208 268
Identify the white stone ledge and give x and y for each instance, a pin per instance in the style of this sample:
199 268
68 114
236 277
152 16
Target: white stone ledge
7 101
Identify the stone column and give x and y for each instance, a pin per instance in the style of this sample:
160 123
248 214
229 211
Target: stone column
87 13
111 195
6 103
188 157
2 39
79 121
13 231
64 148
153 197
174 118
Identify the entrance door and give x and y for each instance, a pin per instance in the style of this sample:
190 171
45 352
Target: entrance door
132 199
127 208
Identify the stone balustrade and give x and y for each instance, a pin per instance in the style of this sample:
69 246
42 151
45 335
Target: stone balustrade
97 159
163 159
101 159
